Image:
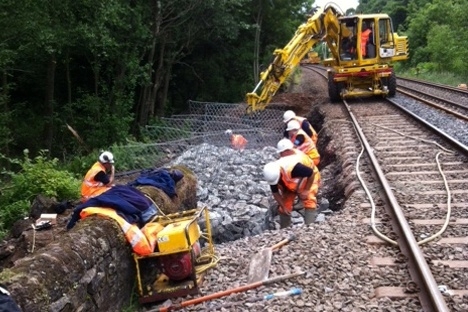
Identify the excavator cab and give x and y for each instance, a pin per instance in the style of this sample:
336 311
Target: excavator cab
369 37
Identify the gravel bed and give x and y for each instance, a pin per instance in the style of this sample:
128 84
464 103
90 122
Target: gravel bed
333 255
461 98
451 125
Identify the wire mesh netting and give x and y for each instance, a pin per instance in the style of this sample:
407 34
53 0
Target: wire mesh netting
202 127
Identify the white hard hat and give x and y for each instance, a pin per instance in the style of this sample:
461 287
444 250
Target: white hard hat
293 125
228 132
283 145
288 115
271 173
106 157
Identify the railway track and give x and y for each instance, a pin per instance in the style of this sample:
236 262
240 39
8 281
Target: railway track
420 207
452 94
444 98
360 259
416 193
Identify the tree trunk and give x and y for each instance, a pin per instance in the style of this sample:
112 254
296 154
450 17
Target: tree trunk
49 102
88 269
67 66
258 30
160 103
96 68
6 109
144 106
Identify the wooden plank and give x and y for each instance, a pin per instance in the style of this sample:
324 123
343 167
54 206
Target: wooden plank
393 292
453 263
438 222
454 240
382 261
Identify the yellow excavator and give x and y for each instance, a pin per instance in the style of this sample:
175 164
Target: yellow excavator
362 46
312 58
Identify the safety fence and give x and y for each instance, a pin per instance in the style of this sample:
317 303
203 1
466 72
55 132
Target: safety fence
205 124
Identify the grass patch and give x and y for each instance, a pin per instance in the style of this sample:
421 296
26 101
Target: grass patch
444 78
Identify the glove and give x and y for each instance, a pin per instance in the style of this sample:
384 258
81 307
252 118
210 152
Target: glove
283 211
304 194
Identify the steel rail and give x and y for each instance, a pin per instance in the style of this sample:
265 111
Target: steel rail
433 84
430 296
452 140
410 94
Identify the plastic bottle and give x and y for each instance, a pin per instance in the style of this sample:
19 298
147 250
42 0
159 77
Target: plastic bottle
291 292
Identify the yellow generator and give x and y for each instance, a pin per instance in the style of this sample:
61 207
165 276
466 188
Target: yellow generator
183 253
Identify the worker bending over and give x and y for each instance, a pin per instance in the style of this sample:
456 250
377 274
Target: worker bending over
99 177
238 142
305 125
302 141
293 174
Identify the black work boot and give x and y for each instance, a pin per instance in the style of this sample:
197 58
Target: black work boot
284 221
309 216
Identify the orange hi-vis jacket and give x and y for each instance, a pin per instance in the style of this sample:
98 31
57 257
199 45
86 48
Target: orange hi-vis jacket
312 130
364 39
287 164
295 187
238 142
308 146
90 187
143 241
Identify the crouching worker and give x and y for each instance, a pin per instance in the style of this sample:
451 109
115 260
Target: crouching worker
302 141
99 177
238 142
294 174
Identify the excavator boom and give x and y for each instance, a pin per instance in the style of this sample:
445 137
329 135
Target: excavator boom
307 35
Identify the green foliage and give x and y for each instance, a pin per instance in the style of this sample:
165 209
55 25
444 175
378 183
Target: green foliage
5 132
42 176
79 165
98 124
428 72
439 40
36 176
201 50
12 212
137 156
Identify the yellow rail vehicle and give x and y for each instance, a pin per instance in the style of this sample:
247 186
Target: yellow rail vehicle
363 49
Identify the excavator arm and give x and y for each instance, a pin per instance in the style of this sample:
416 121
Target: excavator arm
323 25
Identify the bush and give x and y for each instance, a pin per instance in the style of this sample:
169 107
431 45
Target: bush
11 213
38 176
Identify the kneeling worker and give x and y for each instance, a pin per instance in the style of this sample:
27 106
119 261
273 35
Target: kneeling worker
97 180
294 174
238 142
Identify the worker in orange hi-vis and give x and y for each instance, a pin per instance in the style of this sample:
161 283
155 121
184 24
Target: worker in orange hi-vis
305 125
99 178
238 142
293 176
302 141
